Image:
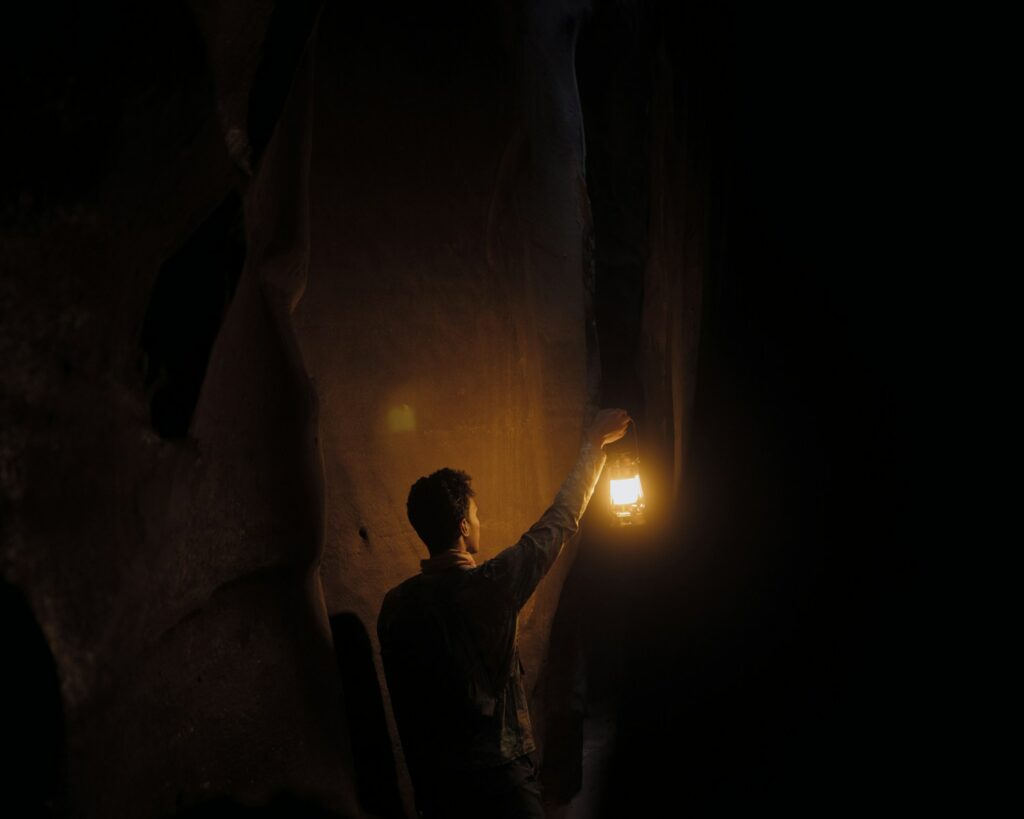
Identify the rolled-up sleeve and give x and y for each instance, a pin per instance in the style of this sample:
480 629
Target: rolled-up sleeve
519 568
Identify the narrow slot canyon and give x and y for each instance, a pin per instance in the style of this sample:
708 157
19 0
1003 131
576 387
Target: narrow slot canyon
266 265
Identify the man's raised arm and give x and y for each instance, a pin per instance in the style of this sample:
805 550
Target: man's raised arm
521 567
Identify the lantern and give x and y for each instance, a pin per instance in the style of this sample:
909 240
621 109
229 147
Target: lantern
627 495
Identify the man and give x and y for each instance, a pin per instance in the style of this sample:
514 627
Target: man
448 641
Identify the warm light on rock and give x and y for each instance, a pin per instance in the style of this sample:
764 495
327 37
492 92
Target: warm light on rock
401 419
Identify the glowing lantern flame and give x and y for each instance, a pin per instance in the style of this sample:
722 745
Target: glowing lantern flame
626 491
627 495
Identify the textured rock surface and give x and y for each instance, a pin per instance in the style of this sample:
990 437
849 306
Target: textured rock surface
174 580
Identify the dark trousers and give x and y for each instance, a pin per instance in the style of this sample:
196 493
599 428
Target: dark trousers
508 791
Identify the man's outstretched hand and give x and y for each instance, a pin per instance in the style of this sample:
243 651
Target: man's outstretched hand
608 426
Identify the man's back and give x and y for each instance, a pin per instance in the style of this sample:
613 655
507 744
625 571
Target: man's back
449 649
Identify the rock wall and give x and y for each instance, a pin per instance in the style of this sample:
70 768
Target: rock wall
174 576
261 270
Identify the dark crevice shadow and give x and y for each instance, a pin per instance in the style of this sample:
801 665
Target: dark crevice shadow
373 758
281 806
290 27
190 300
565 690
33 743
615 100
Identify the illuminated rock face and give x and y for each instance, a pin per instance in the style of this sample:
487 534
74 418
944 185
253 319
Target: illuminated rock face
444 323
426 265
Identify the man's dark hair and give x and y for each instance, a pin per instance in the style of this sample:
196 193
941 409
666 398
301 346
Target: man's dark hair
436 506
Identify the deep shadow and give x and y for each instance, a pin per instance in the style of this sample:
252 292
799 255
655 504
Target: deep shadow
69 75
373 758
190 299
290 27
762 668
565 690
33 733
615 96
283 805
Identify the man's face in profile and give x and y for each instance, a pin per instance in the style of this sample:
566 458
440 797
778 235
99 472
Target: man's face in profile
473 537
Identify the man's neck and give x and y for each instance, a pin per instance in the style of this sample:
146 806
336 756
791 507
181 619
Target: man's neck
451 559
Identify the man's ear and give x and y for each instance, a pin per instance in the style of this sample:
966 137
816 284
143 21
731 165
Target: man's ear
464 527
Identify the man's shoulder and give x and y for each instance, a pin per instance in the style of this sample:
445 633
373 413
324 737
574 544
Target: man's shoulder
422 587
407 597
401 593
421 591
392 603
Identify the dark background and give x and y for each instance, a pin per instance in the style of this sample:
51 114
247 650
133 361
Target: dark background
784 656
